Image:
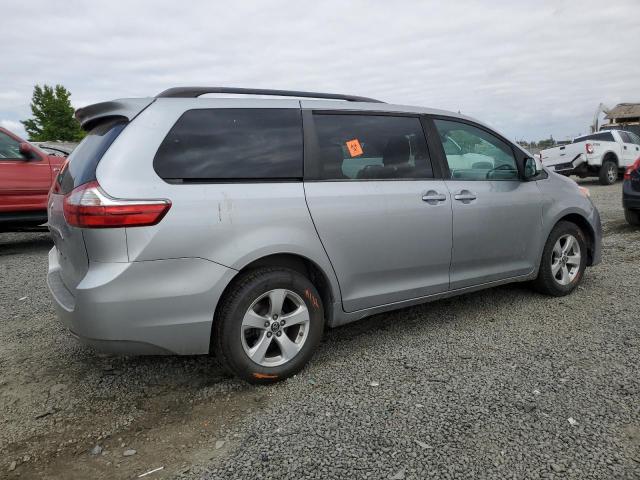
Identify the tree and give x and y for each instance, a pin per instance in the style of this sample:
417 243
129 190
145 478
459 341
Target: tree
52 116
547 142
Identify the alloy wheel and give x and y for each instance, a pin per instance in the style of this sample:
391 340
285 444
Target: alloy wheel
275 327
565 259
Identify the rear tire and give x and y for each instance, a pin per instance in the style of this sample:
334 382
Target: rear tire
608 173
563 261
268 325
632 216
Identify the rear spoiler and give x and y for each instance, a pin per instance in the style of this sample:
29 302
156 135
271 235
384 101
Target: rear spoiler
128 108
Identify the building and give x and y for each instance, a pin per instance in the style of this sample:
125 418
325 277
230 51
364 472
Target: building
624 116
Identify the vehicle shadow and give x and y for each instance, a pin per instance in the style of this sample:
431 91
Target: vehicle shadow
436 314
16 243
202 371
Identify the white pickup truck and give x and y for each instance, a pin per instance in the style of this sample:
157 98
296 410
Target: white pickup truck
603 154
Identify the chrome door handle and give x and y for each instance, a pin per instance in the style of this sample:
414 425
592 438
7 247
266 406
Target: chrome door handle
465 196
432 197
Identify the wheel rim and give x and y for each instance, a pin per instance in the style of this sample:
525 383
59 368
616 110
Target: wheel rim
612 173
275 328
565 259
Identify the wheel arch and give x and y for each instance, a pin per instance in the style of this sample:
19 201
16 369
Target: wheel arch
293 261
611 155
585 226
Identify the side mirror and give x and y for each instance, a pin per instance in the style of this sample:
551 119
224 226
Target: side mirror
26 150
531 168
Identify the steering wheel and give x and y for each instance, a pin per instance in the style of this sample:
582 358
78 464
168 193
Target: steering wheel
503 167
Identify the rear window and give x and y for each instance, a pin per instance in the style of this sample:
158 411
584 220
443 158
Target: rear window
601 136
232 144
83 161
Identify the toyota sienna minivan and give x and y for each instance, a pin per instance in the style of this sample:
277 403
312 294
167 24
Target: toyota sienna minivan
242 226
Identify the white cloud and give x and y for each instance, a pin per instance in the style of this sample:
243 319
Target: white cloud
531 68
14 127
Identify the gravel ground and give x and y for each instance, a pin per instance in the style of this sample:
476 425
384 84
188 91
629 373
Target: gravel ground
503 383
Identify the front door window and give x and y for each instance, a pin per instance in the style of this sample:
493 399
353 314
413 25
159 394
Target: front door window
474 154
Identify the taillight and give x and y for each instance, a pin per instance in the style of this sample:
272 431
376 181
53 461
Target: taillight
631 168
589 148
88 206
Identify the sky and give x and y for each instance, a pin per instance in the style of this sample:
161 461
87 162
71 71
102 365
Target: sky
528 68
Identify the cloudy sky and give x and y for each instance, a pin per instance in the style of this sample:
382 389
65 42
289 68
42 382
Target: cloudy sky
529 68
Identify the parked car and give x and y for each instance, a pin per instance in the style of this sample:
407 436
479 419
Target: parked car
604 155
243 226
26 175
58 150
631 193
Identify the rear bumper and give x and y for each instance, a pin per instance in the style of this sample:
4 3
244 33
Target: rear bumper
145 308
630 197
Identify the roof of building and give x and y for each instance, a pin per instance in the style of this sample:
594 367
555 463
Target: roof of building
624 110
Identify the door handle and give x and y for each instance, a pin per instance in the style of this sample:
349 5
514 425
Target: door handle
432 197
625 147
465 196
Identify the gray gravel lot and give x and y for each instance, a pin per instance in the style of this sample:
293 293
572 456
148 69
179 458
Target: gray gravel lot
503 383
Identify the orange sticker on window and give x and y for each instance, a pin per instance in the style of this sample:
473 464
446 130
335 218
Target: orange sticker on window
355 149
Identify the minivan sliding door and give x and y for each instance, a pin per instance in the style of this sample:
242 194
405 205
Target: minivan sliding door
383 218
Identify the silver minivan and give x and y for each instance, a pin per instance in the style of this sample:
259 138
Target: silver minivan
243 226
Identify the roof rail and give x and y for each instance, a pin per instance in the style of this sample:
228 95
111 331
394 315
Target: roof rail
194 92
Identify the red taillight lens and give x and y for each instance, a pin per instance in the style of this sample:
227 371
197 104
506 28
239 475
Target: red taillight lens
631 168
589 148
88 206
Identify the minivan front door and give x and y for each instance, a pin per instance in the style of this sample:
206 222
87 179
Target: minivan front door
383 219
497 218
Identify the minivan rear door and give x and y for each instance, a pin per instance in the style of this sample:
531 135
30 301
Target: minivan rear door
382 217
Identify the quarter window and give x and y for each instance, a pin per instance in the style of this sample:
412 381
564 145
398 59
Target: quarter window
474 154
238 143
370 147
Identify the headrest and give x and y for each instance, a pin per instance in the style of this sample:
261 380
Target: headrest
397 151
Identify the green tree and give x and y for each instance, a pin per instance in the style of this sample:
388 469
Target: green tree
547 142
52 116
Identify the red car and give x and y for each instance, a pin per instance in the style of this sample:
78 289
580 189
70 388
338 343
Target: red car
26 175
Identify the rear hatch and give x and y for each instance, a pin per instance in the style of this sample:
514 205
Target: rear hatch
79 169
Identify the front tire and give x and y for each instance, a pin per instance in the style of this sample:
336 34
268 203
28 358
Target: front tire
564 260
608 173
632 216
268 325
